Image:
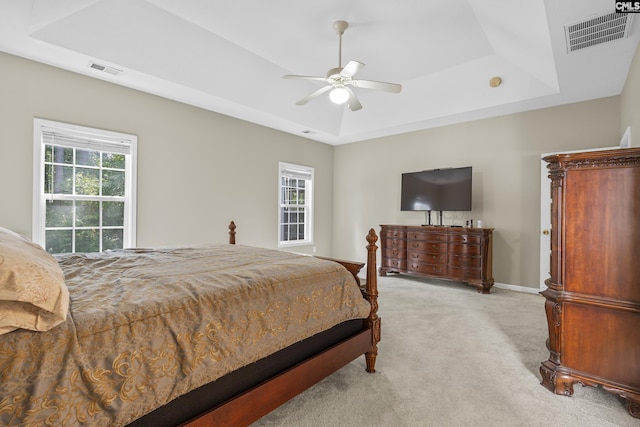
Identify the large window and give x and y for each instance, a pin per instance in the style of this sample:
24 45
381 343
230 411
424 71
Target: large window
84 188
296 205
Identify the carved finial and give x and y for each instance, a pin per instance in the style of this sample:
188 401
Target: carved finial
232 233
372 238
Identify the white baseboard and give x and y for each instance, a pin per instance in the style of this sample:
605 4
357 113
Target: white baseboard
516 288
496 284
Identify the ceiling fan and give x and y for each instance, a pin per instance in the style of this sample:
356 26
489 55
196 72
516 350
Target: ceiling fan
339 79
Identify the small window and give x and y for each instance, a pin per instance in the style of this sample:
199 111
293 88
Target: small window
84 188
296 205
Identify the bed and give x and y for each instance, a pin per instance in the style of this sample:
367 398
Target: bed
194 336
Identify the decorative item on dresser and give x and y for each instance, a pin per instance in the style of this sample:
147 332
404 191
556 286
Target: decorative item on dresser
593 295
454 253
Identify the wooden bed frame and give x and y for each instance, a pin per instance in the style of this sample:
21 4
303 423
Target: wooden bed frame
252 404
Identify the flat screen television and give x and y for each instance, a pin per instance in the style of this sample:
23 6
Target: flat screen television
437 190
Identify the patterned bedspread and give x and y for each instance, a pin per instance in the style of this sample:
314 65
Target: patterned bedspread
146 326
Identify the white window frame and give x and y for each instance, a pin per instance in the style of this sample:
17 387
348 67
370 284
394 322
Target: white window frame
96 139
300 172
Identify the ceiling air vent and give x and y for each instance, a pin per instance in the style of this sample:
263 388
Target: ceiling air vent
603 28
105 68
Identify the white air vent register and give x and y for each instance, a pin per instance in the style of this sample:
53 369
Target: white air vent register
603 28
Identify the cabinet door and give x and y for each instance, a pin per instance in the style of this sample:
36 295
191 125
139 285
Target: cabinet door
602 231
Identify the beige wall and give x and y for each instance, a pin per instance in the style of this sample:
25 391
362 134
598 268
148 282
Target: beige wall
505 155
630 101
196 169
188 158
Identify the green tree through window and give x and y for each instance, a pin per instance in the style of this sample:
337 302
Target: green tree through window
86 189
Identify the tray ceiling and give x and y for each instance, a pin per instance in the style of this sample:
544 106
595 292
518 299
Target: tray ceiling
229 57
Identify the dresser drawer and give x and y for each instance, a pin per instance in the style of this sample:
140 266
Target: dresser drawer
396 234
464 238
437 258
465 273
428 237
394 263
465 261
394 244
464 249
394 253
431 270
427 247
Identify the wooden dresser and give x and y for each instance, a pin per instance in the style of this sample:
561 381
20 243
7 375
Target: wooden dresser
454 253
593 295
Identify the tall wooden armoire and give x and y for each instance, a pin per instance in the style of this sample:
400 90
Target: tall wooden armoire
593 295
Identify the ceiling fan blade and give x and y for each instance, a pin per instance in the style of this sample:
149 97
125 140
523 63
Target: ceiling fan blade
314 94
351 68
370 84
354 104
292 76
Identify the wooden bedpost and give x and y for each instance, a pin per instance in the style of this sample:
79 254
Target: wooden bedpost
371 292
232 233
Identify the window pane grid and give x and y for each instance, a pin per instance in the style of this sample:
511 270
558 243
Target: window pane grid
295 184
65 173
95 236
85 199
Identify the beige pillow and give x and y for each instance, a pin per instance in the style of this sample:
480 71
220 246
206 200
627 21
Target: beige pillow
33 294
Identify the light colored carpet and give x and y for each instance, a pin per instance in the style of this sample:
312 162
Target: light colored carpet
451 357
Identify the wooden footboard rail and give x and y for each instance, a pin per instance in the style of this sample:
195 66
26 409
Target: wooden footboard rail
253 404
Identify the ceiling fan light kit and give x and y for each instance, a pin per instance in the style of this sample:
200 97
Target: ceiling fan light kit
340 78
339 95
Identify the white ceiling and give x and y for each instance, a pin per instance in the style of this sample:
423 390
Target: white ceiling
229 56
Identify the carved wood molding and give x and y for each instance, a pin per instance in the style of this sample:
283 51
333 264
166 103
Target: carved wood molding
556 175
594 159
601 163
591 300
